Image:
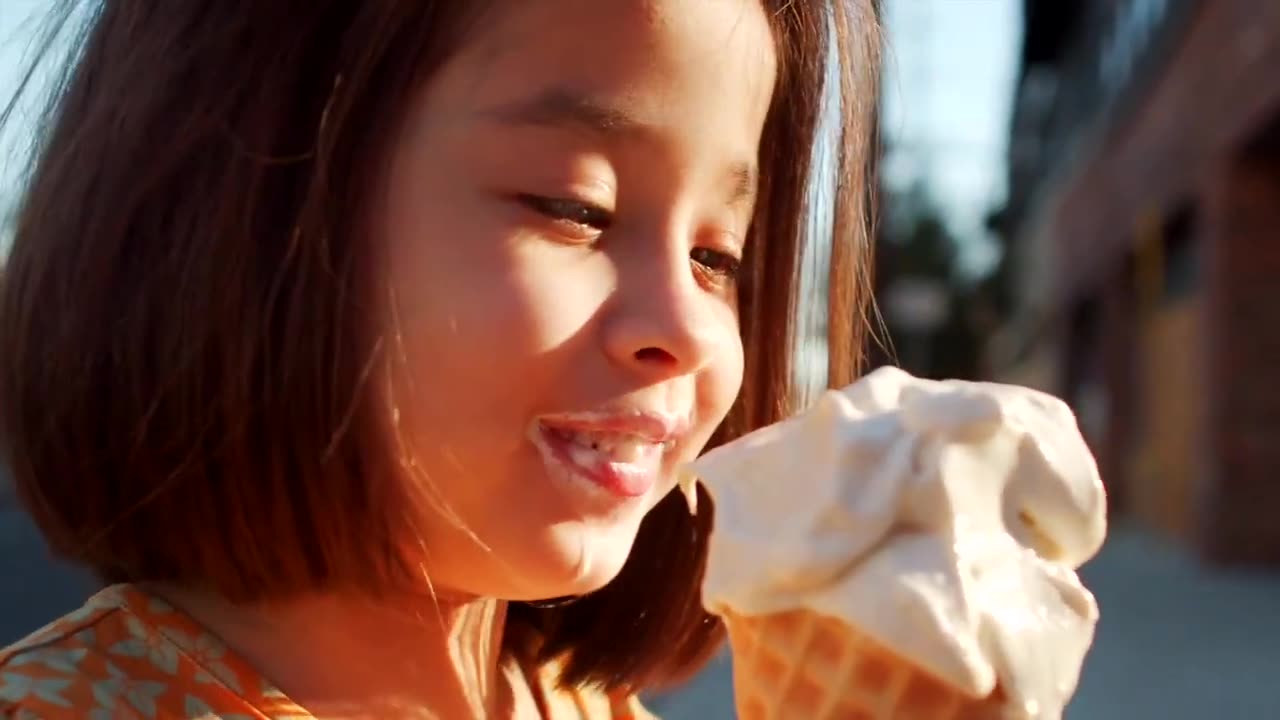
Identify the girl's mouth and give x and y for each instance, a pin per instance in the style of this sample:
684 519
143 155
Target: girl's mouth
618 455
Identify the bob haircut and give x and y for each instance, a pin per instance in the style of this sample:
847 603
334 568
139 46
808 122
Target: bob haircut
184 395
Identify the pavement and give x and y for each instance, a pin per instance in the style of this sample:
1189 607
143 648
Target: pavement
1176 641
34 588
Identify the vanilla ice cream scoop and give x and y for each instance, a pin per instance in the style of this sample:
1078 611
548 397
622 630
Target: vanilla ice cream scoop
943 519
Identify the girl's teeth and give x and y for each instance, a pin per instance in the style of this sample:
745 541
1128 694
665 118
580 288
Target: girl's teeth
619 448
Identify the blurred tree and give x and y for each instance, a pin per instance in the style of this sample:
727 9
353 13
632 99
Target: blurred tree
936 324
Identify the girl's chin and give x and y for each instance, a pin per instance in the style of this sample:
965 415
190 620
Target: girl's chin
533 561
582 563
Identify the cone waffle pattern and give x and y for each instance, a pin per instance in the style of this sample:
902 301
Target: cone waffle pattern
803 666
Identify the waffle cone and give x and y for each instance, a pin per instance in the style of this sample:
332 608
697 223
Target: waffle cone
809 667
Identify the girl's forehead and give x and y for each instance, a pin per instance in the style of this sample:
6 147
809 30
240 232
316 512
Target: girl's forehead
598 41
613 66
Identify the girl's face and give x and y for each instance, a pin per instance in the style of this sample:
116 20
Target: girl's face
564 212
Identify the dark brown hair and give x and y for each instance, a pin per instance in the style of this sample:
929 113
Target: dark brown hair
183 393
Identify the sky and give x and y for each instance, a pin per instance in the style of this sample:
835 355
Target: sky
950 67
18 28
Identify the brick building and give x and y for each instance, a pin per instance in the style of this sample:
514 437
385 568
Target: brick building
1144 234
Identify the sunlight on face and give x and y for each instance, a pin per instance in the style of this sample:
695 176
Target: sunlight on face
564 214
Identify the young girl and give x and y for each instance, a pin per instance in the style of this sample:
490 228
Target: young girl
355 345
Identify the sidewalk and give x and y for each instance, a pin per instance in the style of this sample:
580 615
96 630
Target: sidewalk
33 588
1175 642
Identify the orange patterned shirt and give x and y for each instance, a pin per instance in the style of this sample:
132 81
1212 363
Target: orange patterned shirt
127 655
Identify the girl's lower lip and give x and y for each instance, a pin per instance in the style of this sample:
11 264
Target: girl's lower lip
622 480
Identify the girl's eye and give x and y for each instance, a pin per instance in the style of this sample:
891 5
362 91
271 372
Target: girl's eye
580 215
720 266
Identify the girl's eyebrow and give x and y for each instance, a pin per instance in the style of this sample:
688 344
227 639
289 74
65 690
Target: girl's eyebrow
745 181
561 107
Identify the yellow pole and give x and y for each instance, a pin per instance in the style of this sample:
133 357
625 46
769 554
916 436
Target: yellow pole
1149 263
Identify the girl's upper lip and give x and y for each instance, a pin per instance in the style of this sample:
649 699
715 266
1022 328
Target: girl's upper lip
653 426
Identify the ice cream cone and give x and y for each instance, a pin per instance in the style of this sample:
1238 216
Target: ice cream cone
806 666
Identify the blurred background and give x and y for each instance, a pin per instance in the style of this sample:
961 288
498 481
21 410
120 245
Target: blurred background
1082 196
